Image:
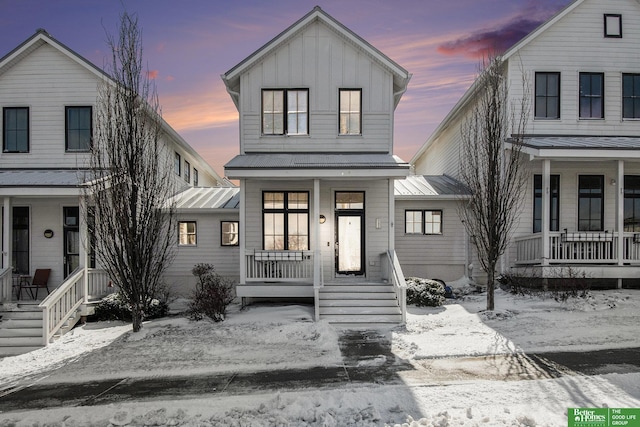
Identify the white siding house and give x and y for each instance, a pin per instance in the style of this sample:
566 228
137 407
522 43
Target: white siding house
48 95
582 209
316 168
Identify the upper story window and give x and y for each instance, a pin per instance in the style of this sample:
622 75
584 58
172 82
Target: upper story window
350 112
547 104
78 128
195 177
187 171
613 25
15 132
295 102
591 95
631 96
177 164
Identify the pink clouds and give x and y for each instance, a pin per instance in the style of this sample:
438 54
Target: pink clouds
153 74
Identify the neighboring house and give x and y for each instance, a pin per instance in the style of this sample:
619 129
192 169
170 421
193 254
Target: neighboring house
582 207
47 97
316 170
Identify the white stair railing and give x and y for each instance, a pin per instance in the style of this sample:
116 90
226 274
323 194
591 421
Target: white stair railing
393 273
62 303
6 284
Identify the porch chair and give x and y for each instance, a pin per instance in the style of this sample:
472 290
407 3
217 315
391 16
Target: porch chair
40 280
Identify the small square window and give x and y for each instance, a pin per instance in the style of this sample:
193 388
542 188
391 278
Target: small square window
187 171
187 233
613 25
229 235
413 222
432 222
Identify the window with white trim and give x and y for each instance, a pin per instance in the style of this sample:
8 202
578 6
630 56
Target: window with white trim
229 233
187 233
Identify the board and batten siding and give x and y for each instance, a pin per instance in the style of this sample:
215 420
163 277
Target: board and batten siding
576 44
46 81
376 208
431 256
208 249
321 61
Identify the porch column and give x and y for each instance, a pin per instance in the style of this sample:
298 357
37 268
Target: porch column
316 233
243 223
7 221
392 214
546 203
620 213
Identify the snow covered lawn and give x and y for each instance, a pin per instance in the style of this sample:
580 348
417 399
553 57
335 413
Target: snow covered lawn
284 337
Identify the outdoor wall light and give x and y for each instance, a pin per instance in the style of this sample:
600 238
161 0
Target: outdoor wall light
323 219
48 233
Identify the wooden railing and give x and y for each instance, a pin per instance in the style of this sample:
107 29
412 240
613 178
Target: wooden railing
529 249
392 272
6 284
280 266
62 303
99 284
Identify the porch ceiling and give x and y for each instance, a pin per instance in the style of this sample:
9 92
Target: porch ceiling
583 147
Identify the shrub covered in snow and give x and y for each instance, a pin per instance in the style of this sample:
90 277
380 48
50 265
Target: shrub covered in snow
113 307
212 295
424 292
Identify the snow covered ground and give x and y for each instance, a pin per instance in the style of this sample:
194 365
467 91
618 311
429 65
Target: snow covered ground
435 340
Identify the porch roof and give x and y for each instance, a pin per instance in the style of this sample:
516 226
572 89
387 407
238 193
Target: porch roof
429 186
208 198
582 147
50 182
316 165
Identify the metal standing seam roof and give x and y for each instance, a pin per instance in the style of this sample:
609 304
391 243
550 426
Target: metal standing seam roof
43 177
315 161
583 142
207 198
421 186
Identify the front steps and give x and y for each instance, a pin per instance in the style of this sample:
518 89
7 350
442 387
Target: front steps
359 303
20 328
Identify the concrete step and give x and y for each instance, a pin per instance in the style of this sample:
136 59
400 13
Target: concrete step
20 323
357 302
17 350
356 311
22 332
21 341
363 319
358 296
364 288
21 315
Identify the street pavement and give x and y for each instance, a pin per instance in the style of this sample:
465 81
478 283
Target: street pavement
367 359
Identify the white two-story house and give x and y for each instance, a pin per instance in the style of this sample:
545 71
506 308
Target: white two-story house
316 170
48 96
582 207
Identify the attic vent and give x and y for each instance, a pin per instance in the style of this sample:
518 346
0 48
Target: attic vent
613 25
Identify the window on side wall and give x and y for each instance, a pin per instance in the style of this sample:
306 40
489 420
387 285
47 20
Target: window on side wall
631 96
350 112
195 177
187 171
229 233
591 95
285 217
78 128
187 235
177 164
554 203
590 202
15 132
423 221
613 25
547 101
285 112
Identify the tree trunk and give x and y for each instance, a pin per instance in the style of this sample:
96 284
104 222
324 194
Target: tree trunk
490 289
136 318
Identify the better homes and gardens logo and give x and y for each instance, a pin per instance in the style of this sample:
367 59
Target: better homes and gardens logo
603 417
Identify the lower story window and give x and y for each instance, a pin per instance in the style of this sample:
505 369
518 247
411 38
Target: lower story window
285 218
554 203
423 222
187 233
229 233
20 251
590 202
632 203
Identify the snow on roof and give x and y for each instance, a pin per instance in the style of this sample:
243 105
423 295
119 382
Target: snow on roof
208 198
427 186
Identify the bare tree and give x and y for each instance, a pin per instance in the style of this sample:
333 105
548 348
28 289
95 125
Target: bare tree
133 228
495 176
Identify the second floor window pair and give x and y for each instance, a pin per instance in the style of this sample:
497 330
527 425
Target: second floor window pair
16 132
286 112
591 96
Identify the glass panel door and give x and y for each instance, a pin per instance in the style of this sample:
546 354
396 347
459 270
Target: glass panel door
71 239
349 244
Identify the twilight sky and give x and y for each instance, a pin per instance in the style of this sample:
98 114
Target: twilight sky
190 43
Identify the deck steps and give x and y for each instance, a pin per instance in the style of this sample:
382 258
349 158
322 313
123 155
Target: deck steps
20 328
359 303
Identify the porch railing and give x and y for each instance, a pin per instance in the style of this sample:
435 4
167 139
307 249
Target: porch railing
6 284
62 303
99 284
594 248
392 272
280 266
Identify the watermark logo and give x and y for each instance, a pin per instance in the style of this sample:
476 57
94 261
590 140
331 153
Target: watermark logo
603 417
